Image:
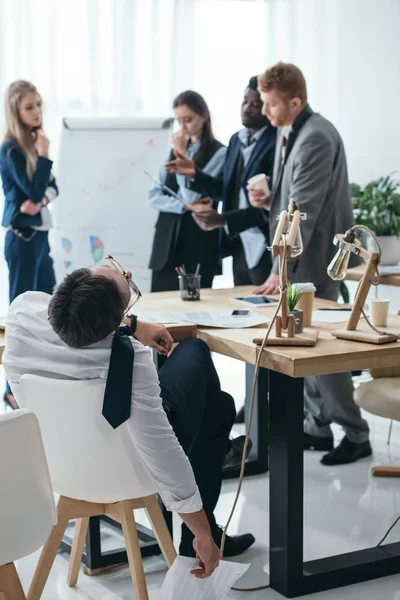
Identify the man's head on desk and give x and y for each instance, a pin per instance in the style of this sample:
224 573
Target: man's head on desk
89 304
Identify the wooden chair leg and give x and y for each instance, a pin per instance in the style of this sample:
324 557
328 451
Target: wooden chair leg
78 544
49 552
10 584
385 471
160 529
133 551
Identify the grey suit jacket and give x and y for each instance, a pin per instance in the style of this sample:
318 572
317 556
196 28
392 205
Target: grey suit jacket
315 176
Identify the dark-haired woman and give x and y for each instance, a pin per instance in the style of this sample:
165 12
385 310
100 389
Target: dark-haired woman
178 239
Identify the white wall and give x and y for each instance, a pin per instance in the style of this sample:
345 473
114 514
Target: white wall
349 51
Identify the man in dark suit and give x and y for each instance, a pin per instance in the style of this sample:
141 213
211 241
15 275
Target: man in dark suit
250 152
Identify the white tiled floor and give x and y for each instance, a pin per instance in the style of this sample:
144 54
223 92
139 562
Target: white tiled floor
345 509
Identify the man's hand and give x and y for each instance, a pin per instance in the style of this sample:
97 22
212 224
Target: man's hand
209 555
208 220
258 198
182 165
30 208
202 205
154 335
271 286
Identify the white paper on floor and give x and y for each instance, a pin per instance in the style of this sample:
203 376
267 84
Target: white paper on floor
180 584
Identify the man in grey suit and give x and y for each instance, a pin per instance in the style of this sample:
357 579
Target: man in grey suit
310 167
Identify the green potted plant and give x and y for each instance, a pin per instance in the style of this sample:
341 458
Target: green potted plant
377 206
293 296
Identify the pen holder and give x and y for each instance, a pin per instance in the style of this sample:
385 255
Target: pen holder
189 287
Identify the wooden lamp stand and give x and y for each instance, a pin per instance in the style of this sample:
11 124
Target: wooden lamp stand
283 246
370 277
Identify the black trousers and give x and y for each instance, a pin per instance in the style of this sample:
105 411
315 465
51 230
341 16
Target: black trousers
242 275
201 415
30 266
167 281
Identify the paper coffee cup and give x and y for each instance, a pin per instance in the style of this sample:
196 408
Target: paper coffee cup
306 301
259 182
379 309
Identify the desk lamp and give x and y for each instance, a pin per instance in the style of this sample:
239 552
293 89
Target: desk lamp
337 270
287 243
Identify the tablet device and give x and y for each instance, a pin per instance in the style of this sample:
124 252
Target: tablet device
258 300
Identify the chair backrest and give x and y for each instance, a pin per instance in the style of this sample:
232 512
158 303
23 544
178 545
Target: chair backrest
88 459
27 508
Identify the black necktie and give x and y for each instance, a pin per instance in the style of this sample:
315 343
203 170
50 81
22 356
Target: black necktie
118 392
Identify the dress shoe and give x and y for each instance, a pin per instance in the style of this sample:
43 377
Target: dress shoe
240 416
347 452
313 442
233 458
234 544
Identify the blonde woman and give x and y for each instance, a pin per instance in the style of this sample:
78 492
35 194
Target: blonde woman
28 186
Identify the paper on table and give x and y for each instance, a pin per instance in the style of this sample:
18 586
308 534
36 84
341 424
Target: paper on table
160 317
389 270
331 316
222 319
180 584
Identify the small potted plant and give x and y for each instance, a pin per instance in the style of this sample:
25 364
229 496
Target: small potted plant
378 207
293 296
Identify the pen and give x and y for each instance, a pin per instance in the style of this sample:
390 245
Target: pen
341 309
165 187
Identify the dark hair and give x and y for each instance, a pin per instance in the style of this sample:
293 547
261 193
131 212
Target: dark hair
197 104
253 83
287 79
85 308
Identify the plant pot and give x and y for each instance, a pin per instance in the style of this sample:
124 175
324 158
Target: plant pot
390 245
298 320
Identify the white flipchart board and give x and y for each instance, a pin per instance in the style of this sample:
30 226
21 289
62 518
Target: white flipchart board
102 207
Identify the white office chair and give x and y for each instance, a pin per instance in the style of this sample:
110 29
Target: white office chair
27 508
381 397
96 471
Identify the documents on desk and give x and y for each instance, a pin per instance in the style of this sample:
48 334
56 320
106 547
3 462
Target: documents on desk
221 319
331 315
180 584
389 269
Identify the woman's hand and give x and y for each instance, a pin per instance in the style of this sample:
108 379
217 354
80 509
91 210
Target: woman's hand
30 208
180 141
182 165
41 143
155 336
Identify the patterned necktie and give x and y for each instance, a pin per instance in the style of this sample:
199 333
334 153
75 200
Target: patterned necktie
284 146
118 392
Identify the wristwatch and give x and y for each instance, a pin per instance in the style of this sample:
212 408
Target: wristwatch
133 325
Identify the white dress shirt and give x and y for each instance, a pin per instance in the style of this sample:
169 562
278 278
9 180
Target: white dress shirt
253 239
33 347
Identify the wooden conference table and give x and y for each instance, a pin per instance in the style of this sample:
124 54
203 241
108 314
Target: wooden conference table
277 431
356 273
278 434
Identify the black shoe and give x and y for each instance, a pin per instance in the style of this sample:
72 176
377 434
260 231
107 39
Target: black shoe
240 415
313 442
347 452
233 458
234 544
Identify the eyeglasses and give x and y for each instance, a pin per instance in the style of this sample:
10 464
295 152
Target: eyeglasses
136 294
